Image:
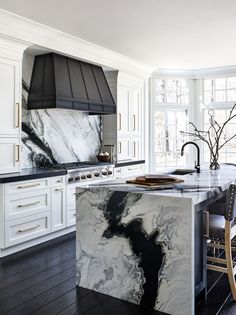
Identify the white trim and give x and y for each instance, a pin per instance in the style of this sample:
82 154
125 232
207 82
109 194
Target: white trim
21 28
195 74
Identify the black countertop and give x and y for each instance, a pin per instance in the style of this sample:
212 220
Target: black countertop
129 163
31 173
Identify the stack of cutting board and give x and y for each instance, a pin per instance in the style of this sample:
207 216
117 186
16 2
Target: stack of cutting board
155 180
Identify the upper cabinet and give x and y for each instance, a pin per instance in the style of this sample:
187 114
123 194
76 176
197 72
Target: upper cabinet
126 129
10 118
11 54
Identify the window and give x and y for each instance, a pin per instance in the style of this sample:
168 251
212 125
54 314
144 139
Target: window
169 117
171 91
220 94
219 90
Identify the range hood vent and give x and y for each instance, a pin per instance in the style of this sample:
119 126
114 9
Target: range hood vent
62 82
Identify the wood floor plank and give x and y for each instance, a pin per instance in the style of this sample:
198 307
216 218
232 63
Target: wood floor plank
62 303
45 298
10 281
36 279
81 306
15 301
12 265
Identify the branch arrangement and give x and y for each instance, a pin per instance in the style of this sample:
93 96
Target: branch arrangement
213 135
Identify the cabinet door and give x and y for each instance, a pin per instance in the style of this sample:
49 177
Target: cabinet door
9 155
136 111
123 110
58 208
123 149
10 118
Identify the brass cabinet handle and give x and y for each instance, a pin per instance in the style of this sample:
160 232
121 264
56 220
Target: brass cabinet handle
134 123
119 121
59 189
18 153
18 115
134 148
29 229
28 186
206 223
28 204
119 149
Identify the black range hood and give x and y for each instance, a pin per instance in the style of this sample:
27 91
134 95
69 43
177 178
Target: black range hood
61 82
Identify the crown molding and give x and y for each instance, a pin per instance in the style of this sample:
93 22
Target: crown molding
26 30
195 74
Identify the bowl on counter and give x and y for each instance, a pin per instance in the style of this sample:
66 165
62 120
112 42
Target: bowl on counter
103 158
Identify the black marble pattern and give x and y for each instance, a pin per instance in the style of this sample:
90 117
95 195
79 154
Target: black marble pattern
144 246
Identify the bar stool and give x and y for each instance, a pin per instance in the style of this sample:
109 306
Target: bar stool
221 233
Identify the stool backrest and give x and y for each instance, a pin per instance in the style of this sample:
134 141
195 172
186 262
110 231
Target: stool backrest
230 209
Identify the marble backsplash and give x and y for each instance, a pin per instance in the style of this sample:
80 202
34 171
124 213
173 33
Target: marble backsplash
56 135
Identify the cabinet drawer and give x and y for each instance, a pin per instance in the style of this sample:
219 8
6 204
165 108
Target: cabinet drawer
25 204
25 229
57 181
27 185
71 215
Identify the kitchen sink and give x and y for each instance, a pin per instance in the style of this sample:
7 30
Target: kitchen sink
181 171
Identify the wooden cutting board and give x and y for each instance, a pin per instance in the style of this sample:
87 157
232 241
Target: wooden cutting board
147 182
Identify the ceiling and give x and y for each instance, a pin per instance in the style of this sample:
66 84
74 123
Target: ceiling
166 34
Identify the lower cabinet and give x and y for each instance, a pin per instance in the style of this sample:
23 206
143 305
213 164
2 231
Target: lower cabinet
33 208
58 208
10 160
27 228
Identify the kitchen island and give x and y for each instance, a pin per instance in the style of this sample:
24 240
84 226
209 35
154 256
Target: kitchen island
147 246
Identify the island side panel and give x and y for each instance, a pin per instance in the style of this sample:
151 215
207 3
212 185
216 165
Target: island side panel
137 247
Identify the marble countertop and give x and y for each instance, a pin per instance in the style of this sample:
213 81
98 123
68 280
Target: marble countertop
198 187
31 173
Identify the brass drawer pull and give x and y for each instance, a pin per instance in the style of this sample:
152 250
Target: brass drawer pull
59 189
28 204
18 115
29 229
134 121
119 121
28 186
119 147
17 153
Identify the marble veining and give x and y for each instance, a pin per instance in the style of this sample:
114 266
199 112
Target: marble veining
134 246
56 135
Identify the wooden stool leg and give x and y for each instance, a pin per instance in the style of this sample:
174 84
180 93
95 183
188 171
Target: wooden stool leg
229 260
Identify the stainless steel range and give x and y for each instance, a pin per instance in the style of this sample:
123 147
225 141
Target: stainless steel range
87 172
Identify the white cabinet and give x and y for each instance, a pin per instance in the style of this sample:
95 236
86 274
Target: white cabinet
127 133
123 110
9 155
11 54
58 208
10 118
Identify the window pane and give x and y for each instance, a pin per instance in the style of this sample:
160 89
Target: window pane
220 84
208 98
208 85
231 95
220 96
231 83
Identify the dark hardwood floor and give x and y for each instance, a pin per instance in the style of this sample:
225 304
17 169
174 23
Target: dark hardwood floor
41 281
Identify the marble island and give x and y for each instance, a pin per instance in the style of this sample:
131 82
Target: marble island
147 246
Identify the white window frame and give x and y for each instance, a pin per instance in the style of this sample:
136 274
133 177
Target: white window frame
166 107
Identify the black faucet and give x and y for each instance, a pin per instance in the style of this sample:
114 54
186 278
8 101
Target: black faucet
197 165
